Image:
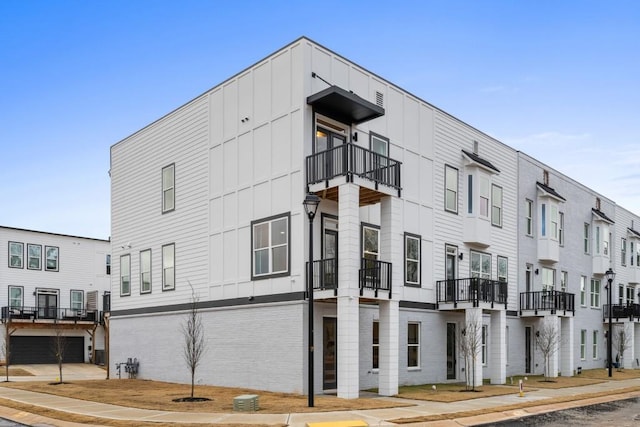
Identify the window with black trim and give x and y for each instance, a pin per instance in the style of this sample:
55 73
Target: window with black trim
16 254
412 258
16 298
503 269
528 213
168 188
480 265
376 345
52 261
145 271
379 144
125 275
451 189
413 345
108 264
34 257
496 205
168 267
270 246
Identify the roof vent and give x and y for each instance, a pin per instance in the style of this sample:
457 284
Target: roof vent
545 177
598 203
475 147
379 99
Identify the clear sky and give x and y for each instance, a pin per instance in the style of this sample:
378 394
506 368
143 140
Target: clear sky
559 80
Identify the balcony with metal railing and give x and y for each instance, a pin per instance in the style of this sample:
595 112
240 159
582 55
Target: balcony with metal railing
374 277
540 303
471 292
50 314
621 312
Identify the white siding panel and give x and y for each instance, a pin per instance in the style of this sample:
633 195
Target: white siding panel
215 170
216 128
411 176
230 109
281 145
339 72
262 93
245 99
359 83
230 256
281 193
426 131
411 115
245 206
262 153
215 261
230 150
244 253
394 114
426 181
281 66
245 159
230 204
262 200
215 215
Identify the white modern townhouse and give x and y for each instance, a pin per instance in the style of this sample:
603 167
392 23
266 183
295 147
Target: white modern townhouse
414 245
53 285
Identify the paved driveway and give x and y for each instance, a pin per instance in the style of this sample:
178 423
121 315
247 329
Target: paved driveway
70 371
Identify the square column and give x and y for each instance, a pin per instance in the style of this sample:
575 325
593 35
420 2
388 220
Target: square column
550 337
567 363
472 340
389 352
348 291
498 355
635 345
629 354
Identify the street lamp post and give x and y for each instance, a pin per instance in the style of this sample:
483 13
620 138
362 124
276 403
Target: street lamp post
311 202
610 276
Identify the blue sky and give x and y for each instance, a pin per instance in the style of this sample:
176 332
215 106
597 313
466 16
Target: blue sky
559 80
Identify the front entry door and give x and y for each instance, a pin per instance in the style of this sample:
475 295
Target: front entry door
327 141
329 354
47 305
451 351
527 349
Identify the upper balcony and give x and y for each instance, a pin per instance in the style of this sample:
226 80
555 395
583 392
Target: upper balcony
48 315
541 303
621 312
471 292
376 174
374 277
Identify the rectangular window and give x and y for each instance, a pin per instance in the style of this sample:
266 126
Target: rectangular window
145 271
623 251
503 269
470 194
15 297
451 189
484 196
595 345
413 345
528 211
496 206
125 275
583 291
108 264
34 257
77 300
620 294
597 240
586 238
370 242
412 258
52 258
561 228
595 293
553 221
168 267
543 219
484 345
376 345
379 144
605 244
16 254
583 344
168 188
632 254
480 265
564 281
630 296
270 245
548 279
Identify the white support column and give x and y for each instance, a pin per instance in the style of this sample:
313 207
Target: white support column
391 250
551 328
567 364
629 354
498 355
348 291
635 347
473 336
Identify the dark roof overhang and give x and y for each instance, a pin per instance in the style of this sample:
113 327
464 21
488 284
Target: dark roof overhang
479 161
601 216
344 106
548 191
633 233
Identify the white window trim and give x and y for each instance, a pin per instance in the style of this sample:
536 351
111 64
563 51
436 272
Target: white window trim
594 345
583 344
169 269
528 206
451 188
480 273
145 254
76 292
594 301
583 291
125 274
407 260
483 345
496 205
169 189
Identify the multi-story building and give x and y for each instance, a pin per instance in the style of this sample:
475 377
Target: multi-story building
415 242
54 286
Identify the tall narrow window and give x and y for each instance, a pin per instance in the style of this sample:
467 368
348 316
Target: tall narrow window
583 344
484 196
77 300
470 194
108 264
623 251
451 189
270 245
16 254
34 257
583 291
15 297
480 265
564 280
52 258
145 271
553 221
630 295
605 244
543 219
370 242
597 240
528 212
595 345
168 267
548 279
561 228
496 206
620 294
412 259
503 270
484 344
413 345
632 254
595 293
125 275
376 345
586 238
168 188
379 144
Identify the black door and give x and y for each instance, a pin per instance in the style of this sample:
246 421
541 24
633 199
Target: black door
47 306
527 349
39 350
451 351
329 354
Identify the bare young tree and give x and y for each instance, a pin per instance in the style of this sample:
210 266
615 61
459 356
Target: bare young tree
622 342
6 350
470 346
194 340
58 347
547 339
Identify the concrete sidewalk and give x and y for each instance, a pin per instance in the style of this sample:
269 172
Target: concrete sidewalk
374 417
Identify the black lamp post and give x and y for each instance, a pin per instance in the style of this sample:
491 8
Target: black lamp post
610 275
311 202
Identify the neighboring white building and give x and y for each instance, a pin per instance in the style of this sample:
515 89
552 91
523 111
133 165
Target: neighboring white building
53 283
416 239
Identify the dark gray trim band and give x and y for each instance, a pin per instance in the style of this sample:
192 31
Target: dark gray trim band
418 305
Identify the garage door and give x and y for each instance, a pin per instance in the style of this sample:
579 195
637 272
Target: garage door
28 350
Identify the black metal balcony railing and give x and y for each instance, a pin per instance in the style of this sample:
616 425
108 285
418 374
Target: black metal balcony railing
375 275
325 274
552 301
349 160
49 313
621 311
474 290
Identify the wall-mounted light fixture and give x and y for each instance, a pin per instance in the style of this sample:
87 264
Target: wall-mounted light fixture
538 334
355 137
460 256
537 271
